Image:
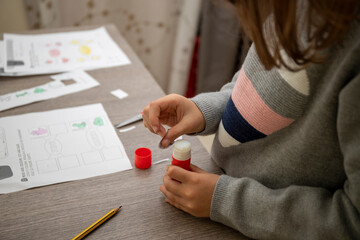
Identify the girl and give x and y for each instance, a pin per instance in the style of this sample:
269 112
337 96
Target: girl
287 127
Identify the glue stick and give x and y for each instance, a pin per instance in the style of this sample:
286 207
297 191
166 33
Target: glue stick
181 154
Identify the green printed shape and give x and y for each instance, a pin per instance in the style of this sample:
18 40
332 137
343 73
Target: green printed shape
79 125
99 121
39 90
21 94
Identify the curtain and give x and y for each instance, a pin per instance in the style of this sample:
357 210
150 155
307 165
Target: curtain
161 32
223 46
188 26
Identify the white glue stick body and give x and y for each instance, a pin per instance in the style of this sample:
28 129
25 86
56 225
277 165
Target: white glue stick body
181 154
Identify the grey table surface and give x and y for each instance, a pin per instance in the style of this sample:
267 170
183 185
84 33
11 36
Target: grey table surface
63 210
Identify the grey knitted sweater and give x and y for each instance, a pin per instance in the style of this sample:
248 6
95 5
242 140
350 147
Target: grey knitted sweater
289 145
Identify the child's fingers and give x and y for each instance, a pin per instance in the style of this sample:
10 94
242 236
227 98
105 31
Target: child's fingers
147 125
175 132
172 198
155 110
153 117
146 121
176 204
178 173
172 185
196 169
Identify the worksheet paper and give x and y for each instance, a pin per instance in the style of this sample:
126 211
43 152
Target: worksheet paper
60 52
43 148
62 84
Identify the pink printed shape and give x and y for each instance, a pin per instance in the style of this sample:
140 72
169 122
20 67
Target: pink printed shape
254 109
64 60
40 131
54 52
48 61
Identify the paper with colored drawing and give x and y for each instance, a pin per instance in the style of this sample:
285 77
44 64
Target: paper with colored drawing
62 84
59 52
43 148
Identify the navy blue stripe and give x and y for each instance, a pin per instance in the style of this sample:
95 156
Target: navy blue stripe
237 126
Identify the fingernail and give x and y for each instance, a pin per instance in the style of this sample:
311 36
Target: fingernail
156 129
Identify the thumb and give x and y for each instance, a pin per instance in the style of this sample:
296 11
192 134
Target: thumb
178 173
175 132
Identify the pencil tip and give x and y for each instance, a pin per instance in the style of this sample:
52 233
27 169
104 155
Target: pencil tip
117 209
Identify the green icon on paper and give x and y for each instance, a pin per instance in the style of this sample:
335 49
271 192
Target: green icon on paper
39 90
79 125
21 94
99 121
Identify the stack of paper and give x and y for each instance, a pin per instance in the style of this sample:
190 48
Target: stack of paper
43 148
62 84
22 55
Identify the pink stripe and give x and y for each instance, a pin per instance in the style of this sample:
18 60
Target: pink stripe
254 109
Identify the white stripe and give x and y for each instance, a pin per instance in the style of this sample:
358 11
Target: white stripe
127 129
225 139
297 80
160 161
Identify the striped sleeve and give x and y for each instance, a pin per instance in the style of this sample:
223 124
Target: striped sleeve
262 102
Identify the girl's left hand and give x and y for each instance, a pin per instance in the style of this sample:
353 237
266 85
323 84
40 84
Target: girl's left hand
190 191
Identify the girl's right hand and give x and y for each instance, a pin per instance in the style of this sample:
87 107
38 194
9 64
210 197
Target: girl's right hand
176 111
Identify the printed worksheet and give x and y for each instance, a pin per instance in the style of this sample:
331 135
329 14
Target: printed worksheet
59 52
43 148
62 84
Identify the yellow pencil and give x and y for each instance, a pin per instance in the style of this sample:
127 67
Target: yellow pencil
97 223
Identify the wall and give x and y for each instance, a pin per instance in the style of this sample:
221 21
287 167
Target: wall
12 16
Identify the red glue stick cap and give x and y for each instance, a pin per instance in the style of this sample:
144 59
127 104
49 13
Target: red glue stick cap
143 158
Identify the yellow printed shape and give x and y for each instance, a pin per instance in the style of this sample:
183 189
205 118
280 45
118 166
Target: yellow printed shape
80 59
85 50
95 57
75 42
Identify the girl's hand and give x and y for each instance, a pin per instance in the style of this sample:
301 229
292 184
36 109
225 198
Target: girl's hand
190 191
176 111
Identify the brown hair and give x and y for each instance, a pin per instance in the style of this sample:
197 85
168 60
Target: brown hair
325 23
